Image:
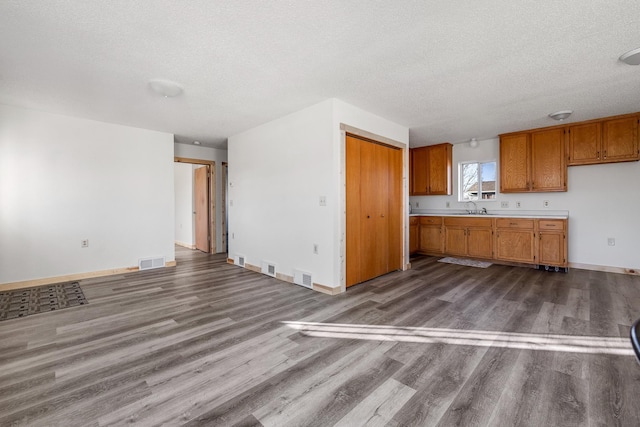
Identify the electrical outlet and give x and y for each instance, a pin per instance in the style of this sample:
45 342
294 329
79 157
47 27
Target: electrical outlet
230 202
315 248
611 241
448 204
518 204
323 200
417 204
84 243
546 204
233 235
504 204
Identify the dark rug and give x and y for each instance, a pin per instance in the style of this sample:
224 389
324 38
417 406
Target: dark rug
24 302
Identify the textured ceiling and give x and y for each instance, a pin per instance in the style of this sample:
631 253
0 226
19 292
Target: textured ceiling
448 70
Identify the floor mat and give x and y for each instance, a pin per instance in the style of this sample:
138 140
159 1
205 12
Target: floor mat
467 262
24 302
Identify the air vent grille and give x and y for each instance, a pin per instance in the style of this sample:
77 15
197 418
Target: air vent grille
240 260
268 268
150 263
302 278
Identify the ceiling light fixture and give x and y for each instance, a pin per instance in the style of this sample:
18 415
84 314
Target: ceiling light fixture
196 142
632 57
561 115
473 143
166 88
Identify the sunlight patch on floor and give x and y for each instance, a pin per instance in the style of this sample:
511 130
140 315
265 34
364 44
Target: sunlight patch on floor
526 341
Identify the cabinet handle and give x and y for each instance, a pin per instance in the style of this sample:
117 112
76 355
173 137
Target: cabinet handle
513 223
605 154
381 215
368 216
598 154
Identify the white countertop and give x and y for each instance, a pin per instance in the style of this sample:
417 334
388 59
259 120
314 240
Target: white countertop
498 214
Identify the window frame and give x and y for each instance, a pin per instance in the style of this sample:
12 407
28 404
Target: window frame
461 166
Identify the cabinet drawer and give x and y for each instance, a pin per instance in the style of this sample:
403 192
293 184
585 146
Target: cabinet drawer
413 220
551 224
431 220
467 222
515 223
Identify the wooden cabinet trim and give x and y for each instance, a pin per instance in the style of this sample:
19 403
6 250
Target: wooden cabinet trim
527 224
433 220
467 222
551 224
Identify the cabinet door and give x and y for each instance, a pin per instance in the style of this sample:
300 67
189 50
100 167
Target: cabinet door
413 238
419 170
455 240
620 139
515 245
551 249
585 144
514 163
548 166
431 239
479 242
439 175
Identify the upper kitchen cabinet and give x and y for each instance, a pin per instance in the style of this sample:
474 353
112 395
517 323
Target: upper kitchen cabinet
620 140
610 140
548 165
431 170
515 163
533 162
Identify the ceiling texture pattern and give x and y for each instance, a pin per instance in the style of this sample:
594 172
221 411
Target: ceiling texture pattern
449 71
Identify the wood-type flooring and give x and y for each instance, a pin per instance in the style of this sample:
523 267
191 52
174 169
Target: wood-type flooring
207 343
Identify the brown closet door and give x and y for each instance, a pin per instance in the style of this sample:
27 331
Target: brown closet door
374 210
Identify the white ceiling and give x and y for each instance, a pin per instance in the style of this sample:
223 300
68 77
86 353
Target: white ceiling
449 70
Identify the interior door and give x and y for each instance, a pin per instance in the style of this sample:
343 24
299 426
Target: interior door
374 213
201 201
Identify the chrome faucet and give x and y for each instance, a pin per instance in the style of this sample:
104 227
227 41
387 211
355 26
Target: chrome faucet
471 211
484 211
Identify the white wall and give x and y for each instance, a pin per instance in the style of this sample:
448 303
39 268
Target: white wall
602 200
183 185
214 155
277 173
64 179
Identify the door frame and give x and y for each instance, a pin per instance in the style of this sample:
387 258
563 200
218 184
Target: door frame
212 196
224 172
344 130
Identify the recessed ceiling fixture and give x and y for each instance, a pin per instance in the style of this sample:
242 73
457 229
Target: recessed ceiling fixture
196 142
561 115
473 143
166 88
632 57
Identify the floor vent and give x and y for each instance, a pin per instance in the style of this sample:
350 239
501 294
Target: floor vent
149 263
302 278
269 268
240 260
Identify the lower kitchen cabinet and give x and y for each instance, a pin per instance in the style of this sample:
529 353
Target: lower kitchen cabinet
414 234
515 240
431 235
552 242
468 237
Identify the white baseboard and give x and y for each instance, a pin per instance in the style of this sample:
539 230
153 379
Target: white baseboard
605 268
